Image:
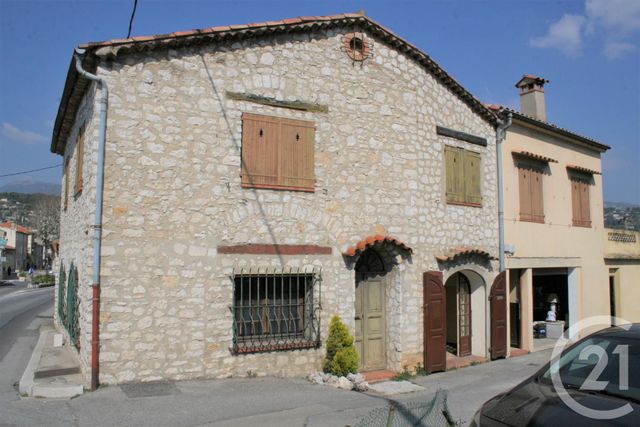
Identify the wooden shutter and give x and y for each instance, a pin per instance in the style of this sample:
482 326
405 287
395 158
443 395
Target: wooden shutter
472 186
455 176
584 204
66 184
77 188
297 154
537 206
580 202
524 181
260 150
277 153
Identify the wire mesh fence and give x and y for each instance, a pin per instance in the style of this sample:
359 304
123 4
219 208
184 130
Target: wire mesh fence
414 413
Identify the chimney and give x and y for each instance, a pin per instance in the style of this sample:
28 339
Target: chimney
532 96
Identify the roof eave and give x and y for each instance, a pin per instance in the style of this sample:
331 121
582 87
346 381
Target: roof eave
589 143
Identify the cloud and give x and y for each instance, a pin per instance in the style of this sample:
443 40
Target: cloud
566 35
19 135
614 23
613 50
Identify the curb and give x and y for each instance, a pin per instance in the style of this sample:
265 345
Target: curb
27 385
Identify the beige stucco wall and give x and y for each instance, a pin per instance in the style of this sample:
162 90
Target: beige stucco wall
557 243
622 257
172 195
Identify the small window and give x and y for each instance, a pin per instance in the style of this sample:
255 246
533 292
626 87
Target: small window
77 188
277 153
356 46
463 172
530 186
274 312
580 201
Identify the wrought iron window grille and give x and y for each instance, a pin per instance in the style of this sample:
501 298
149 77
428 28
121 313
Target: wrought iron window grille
276 309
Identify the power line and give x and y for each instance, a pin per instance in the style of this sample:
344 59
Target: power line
133 13
33 170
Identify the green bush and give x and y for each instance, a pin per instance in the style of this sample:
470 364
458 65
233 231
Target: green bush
342 357
47 278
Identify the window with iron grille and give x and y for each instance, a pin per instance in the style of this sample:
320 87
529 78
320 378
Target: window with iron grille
275 311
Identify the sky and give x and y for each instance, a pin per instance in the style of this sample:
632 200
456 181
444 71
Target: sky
589 50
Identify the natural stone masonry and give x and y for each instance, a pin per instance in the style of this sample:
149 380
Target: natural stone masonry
173 195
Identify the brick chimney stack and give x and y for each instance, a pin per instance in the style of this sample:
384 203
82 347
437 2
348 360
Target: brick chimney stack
532 96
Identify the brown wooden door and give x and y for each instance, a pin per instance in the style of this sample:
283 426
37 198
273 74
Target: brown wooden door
435 322
370 323
498 302
464 316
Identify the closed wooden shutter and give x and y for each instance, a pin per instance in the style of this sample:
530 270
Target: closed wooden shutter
472 186
580 202
537 206
77 188
455 174
66 184
277 153
297 154
524 181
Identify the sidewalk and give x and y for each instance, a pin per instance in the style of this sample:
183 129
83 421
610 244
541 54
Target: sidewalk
53 371
250 401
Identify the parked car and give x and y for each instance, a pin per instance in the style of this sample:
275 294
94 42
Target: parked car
535 401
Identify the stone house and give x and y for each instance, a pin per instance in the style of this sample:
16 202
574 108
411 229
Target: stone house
17 248
553 222
259 179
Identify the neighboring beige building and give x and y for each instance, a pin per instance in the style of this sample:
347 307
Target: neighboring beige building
254 176
622 257
553 210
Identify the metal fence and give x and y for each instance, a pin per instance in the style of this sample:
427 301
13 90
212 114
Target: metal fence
415 413
276 309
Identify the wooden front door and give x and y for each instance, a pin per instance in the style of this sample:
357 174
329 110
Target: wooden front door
435 322
370 323
498 303
464 316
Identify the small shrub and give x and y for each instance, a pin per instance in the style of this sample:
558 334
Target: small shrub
342 357
43 279
420 370
405 375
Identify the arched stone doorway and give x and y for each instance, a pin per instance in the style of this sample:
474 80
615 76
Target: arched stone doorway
370 313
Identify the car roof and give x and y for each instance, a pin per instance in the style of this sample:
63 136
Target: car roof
629 330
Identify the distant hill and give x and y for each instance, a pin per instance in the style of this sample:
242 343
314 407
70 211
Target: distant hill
23 208
30 186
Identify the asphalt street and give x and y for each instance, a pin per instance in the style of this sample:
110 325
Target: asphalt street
22 311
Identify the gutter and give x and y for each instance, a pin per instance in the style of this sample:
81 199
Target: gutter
97 238
500 136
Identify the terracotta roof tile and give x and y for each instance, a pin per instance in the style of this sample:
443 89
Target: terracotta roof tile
463 250
534 156
370 241
19 228
583 169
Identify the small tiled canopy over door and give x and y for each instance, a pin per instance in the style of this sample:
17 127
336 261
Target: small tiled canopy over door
277 153
498 303
435 322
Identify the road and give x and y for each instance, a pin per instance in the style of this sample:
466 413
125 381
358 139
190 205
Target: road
22 311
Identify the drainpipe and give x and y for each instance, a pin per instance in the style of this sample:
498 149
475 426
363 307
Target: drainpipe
500 135
97 236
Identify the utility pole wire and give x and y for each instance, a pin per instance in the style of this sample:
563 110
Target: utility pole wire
133 13
33 170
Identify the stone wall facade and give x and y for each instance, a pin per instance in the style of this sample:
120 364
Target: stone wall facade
173 195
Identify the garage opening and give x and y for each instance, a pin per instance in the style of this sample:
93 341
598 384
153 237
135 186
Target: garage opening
550 305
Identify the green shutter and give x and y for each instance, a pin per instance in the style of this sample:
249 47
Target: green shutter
472 190
455 176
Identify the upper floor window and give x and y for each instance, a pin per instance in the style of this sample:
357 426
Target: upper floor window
580 200
463 176
277 153
77 187
530 185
